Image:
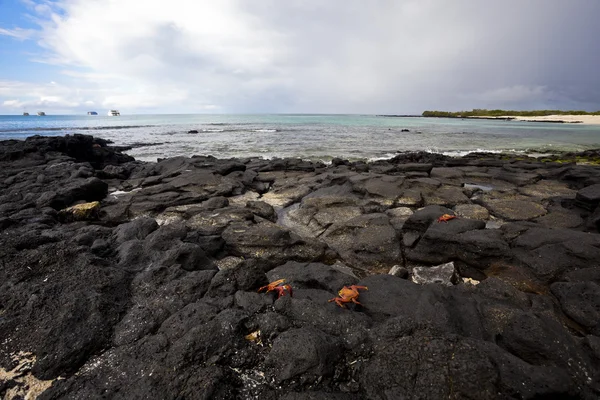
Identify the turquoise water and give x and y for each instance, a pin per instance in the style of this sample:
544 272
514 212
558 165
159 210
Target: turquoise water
307 136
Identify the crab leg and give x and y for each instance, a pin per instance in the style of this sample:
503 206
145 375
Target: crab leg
271 286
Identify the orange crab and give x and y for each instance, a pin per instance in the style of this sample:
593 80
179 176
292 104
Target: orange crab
348 294
277 287
446 218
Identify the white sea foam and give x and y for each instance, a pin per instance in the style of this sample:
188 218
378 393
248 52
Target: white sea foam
265 130
460 153
386 156
117 193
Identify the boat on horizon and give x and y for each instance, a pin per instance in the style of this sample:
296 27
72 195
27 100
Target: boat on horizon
114 113
41 113
92 113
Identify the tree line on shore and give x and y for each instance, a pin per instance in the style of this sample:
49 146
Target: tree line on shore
482 112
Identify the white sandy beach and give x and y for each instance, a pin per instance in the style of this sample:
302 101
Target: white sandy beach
583 119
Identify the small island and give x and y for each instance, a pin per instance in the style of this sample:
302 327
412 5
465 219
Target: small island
556 116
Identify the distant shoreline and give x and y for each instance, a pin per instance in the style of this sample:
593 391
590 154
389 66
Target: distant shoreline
550 116
556 119
559 119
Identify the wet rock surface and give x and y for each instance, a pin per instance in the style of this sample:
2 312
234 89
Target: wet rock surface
123 279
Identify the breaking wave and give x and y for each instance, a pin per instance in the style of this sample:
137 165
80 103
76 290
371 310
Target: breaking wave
72 128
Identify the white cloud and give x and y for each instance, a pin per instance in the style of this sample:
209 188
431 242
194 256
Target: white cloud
12 103
27 96
311 56
18 33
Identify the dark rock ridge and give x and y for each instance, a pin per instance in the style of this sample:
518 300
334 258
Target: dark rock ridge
154 294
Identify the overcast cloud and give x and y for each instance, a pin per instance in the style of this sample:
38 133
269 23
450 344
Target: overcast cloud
335 56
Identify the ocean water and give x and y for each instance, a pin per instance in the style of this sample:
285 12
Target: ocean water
316 137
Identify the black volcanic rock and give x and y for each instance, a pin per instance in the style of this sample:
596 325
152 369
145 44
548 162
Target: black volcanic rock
159 297
581 302
419 157
305 351
589 197
80 147
91 189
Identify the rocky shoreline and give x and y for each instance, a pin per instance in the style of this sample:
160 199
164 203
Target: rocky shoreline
125 279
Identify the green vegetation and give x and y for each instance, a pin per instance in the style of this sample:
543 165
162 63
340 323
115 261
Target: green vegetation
482 112
573 160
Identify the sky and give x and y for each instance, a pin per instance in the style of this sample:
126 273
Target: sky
298 56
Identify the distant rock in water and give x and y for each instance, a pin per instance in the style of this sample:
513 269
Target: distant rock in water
405 130
193 131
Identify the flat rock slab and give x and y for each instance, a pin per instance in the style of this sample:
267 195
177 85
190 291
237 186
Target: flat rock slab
416 174
447 173
413 167
387 187
270 243
242 199
214 222
366 241
311 221
424 182
194 178
452 227
472 211
536 237
477 248
333 196
560 218
283 197
445 196
300 220
516 210
410 197
550 253
589 197
546 189
329 216
517 178
580 301
399 212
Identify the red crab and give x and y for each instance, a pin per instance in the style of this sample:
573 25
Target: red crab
446 218
278 287
348 294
